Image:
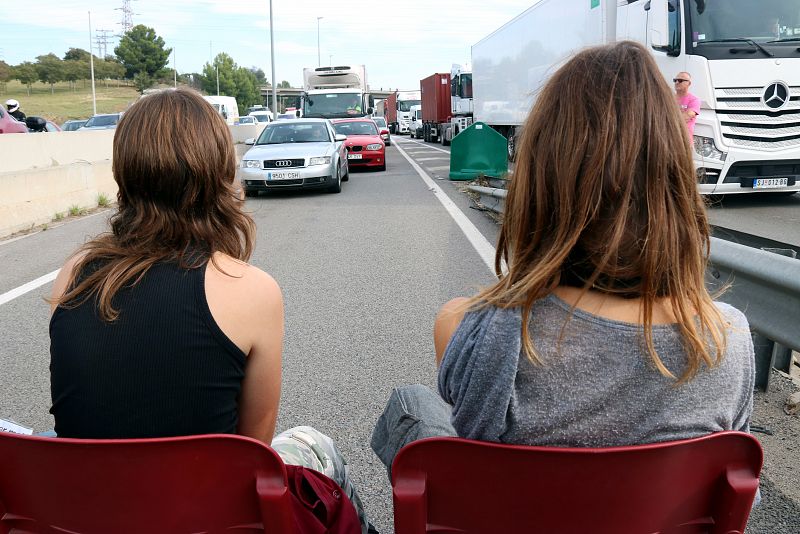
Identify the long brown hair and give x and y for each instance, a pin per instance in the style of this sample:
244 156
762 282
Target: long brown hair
604 196
175 166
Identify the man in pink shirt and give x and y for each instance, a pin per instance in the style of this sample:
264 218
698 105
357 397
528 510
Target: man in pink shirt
689 104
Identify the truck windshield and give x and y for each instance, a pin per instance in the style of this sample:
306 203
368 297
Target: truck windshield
405 105
714 23
331 105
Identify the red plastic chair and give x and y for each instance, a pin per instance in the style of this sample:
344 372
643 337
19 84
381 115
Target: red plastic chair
452 485
211 483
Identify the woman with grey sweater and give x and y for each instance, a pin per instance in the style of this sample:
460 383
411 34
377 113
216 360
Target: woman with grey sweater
599 330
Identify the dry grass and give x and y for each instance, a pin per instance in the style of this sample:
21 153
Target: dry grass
68 104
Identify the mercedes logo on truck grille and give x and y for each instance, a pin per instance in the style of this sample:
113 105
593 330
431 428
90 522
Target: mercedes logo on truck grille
283 163
776 95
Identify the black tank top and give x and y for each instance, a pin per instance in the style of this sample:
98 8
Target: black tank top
163 368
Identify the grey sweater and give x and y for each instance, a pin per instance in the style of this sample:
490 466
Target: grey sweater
598 389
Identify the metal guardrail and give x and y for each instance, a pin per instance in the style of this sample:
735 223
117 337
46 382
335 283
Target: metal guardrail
765 285
491 198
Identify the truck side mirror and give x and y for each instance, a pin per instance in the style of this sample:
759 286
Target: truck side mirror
297 113
369 111
658 23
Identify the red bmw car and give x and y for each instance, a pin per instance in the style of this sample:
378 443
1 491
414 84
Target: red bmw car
364 145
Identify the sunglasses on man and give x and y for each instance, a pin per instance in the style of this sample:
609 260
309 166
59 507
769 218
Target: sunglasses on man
679 80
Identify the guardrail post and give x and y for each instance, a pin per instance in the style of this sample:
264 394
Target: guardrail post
781 355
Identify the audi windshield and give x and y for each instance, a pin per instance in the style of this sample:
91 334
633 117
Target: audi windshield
294 132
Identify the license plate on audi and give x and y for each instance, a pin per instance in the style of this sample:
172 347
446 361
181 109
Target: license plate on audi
354 156
282 176
769 183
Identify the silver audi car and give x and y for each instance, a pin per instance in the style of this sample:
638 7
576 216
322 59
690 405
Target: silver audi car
301 153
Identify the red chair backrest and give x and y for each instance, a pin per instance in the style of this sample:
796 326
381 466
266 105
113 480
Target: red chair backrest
449 485
211 483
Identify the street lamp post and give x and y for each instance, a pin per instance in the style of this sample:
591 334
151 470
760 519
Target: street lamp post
91 66
272 54
319 61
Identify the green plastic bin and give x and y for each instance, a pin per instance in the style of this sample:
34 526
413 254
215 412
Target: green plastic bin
478 150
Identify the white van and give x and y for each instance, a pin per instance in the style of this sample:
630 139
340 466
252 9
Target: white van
225 106
261 115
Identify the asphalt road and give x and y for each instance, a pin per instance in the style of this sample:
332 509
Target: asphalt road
363 274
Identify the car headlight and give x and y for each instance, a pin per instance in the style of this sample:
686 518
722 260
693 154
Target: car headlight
706 148
323 160
374 146
251 164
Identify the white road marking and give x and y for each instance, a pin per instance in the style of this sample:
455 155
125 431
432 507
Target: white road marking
482 246
445 168
423 144
53 227
8 296
435 158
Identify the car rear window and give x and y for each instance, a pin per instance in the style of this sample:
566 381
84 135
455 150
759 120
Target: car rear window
103 120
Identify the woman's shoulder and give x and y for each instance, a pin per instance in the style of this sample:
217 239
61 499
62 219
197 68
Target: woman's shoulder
733 316
237 278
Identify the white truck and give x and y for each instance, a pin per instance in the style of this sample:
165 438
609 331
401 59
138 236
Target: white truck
336 92
743 57
226 106
398 110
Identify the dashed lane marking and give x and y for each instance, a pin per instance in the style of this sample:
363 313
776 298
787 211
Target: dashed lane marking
8 296
482 246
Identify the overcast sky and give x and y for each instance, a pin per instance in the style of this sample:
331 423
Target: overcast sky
399 41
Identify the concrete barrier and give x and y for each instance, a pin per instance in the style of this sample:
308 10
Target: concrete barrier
45 174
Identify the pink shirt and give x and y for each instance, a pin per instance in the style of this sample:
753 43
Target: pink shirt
689 101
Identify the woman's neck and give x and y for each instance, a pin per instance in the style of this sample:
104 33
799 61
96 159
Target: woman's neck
627 310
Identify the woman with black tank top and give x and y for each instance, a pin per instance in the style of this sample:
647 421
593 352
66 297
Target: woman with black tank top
160 327
599 331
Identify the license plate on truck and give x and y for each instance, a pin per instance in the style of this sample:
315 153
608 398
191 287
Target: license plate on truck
769 183
282 176
354 156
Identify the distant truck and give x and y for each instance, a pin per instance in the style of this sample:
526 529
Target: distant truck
335 92
226 106
742 57
380 108
446 104
397 110
415 126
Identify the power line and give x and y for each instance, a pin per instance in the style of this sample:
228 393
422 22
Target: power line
102 40
127 16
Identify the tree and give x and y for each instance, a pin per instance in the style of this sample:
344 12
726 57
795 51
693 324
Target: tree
224 66
284 85
5 73
109 69
26 73
142 81
261 78
77 54
142 51
247 89
50 69
235 81
73 70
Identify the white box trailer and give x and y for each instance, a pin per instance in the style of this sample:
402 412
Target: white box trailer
743 57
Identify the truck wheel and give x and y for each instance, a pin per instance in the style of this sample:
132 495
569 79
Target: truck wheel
426 133
447 136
